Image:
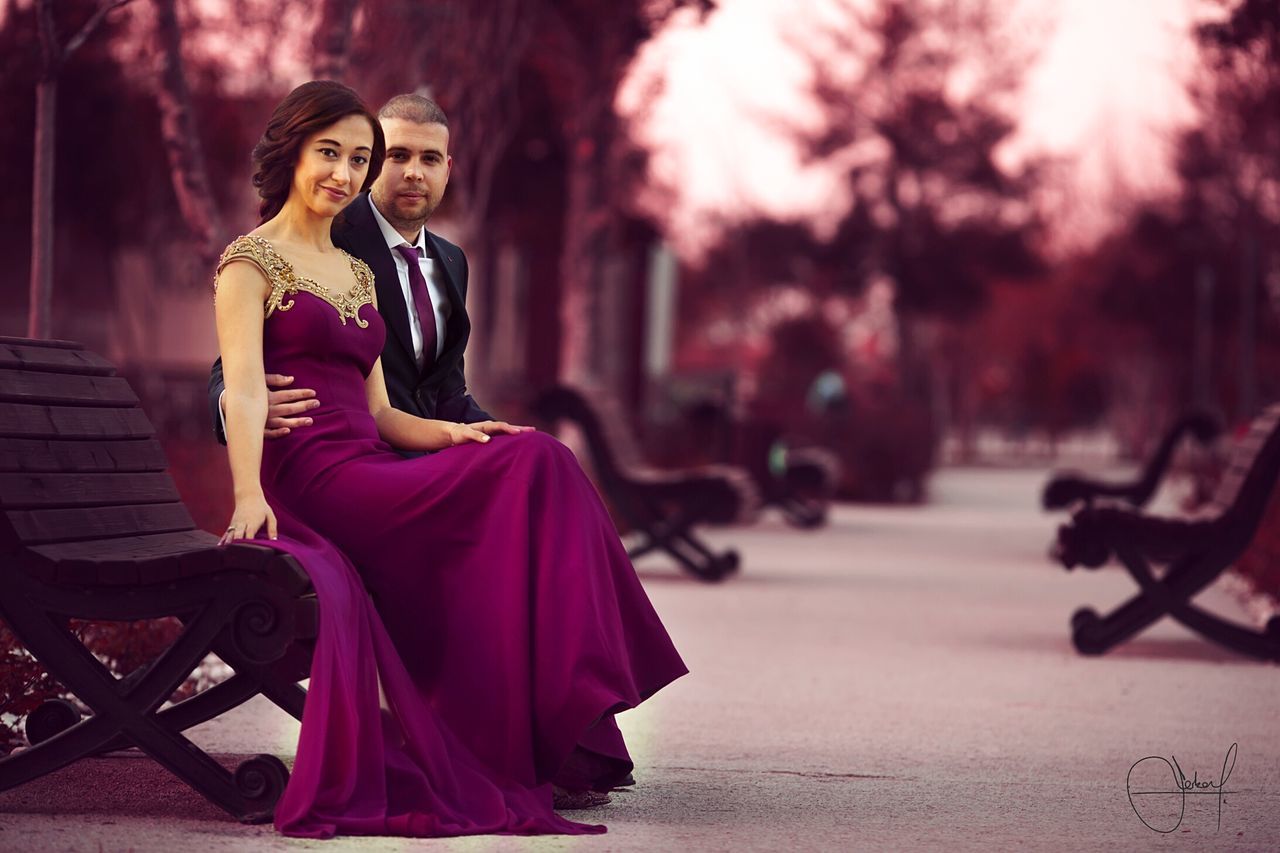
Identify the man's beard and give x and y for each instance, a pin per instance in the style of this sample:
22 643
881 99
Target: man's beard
412 223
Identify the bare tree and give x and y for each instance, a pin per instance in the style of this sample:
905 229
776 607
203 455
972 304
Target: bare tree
594 42
467 57
181 142
471 58
53 56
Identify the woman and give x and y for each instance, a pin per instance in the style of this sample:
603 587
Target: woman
510 624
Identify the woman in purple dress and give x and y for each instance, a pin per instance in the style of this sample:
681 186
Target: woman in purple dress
480 620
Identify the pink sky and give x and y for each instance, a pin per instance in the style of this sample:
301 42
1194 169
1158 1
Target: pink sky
1105 90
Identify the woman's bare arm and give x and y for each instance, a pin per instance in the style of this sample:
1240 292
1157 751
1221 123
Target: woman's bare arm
241 293
405 431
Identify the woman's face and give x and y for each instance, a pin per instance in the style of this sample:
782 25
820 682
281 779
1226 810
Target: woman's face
332 165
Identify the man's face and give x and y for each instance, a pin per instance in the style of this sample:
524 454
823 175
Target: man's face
415 173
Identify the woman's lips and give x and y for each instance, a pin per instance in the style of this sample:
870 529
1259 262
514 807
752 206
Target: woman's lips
336 195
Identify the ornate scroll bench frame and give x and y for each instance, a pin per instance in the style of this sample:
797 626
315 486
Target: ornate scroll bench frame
92 527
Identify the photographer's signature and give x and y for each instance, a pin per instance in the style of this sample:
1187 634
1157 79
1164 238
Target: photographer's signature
1181 787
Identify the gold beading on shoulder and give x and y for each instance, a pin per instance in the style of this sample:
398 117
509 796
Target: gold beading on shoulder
263 255
284 281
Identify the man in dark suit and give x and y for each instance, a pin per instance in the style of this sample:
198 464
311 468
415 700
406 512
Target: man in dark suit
421 280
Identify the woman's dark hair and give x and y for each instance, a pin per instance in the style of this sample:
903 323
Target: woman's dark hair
307 109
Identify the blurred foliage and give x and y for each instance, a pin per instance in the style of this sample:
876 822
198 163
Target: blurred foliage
917 96
1219 229
919 123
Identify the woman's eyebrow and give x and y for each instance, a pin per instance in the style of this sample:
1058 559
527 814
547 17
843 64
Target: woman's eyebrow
338 144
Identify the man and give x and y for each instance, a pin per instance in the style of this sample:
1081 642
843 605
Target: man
421 280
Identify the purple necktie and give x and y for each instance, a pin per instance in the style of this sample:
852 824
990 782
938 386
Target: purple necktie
421 302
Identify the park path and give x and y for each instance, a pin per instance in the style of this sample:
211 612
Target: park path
901 680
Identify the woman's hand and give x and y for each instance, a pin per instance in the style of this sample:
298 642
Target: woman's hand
500 428
250 516
481 431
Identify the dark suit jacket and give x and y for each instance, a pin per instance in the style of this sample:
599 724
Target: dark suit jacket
441 391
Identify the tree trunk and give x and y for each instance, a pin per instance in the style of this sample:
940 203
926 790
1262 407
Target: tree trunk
52 57
181 142
41 292
586 243
331 45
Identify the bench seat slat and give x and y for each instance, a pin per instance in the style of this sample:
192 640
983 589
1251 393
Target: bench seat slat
52 491
32 386
53 359
129 560
42 342
45 526
160 558
20 420
32 454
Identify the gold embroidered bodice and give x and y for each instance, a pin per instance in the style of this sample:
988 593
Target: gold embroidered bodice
284 281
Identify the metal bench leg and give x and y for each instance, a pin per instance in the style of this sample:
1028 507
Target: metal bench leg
1185 580
1092 634
803 513
675 538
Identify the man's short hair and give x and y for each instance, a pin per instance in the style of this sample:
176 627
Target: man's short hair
418 109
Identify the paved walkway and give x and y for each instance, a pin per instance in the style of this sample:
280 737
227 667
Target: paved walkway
901 680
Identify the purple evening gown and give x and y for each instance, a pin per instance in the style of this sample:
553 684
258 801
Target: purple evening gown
483 588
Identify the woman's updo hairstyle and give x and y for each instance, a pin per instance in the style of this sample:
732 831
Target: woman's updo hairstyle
307 109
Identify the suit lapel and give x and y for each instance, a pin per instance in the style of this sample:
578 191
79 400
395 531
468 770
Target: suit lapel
458 328
363 238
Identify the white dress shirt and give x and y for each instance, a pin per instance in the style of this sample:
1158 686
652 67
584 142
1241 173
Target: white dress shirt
435 287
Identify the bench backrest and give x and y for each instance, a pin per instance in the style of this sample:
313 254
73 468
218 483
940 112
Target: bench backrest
1242 459
612 445
81 469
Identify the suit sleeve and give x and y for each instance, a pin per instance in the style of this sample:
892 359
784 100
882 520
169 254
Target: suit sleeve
216 387
455 404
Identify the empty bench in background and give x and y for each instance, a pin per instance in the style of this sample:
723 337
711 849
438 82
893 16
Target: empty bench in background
662 506
1195 551
92 527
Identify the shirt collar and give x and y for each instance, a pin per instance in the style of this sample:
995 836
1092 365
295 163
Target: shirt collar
392 236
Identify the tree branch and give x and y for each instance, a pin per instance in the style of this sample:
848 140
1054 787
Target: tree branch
90 25
50 52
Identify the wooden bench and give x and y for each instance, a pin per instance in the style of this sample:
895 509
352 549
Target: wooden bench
1068 488
1194 550
92 527
663 507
